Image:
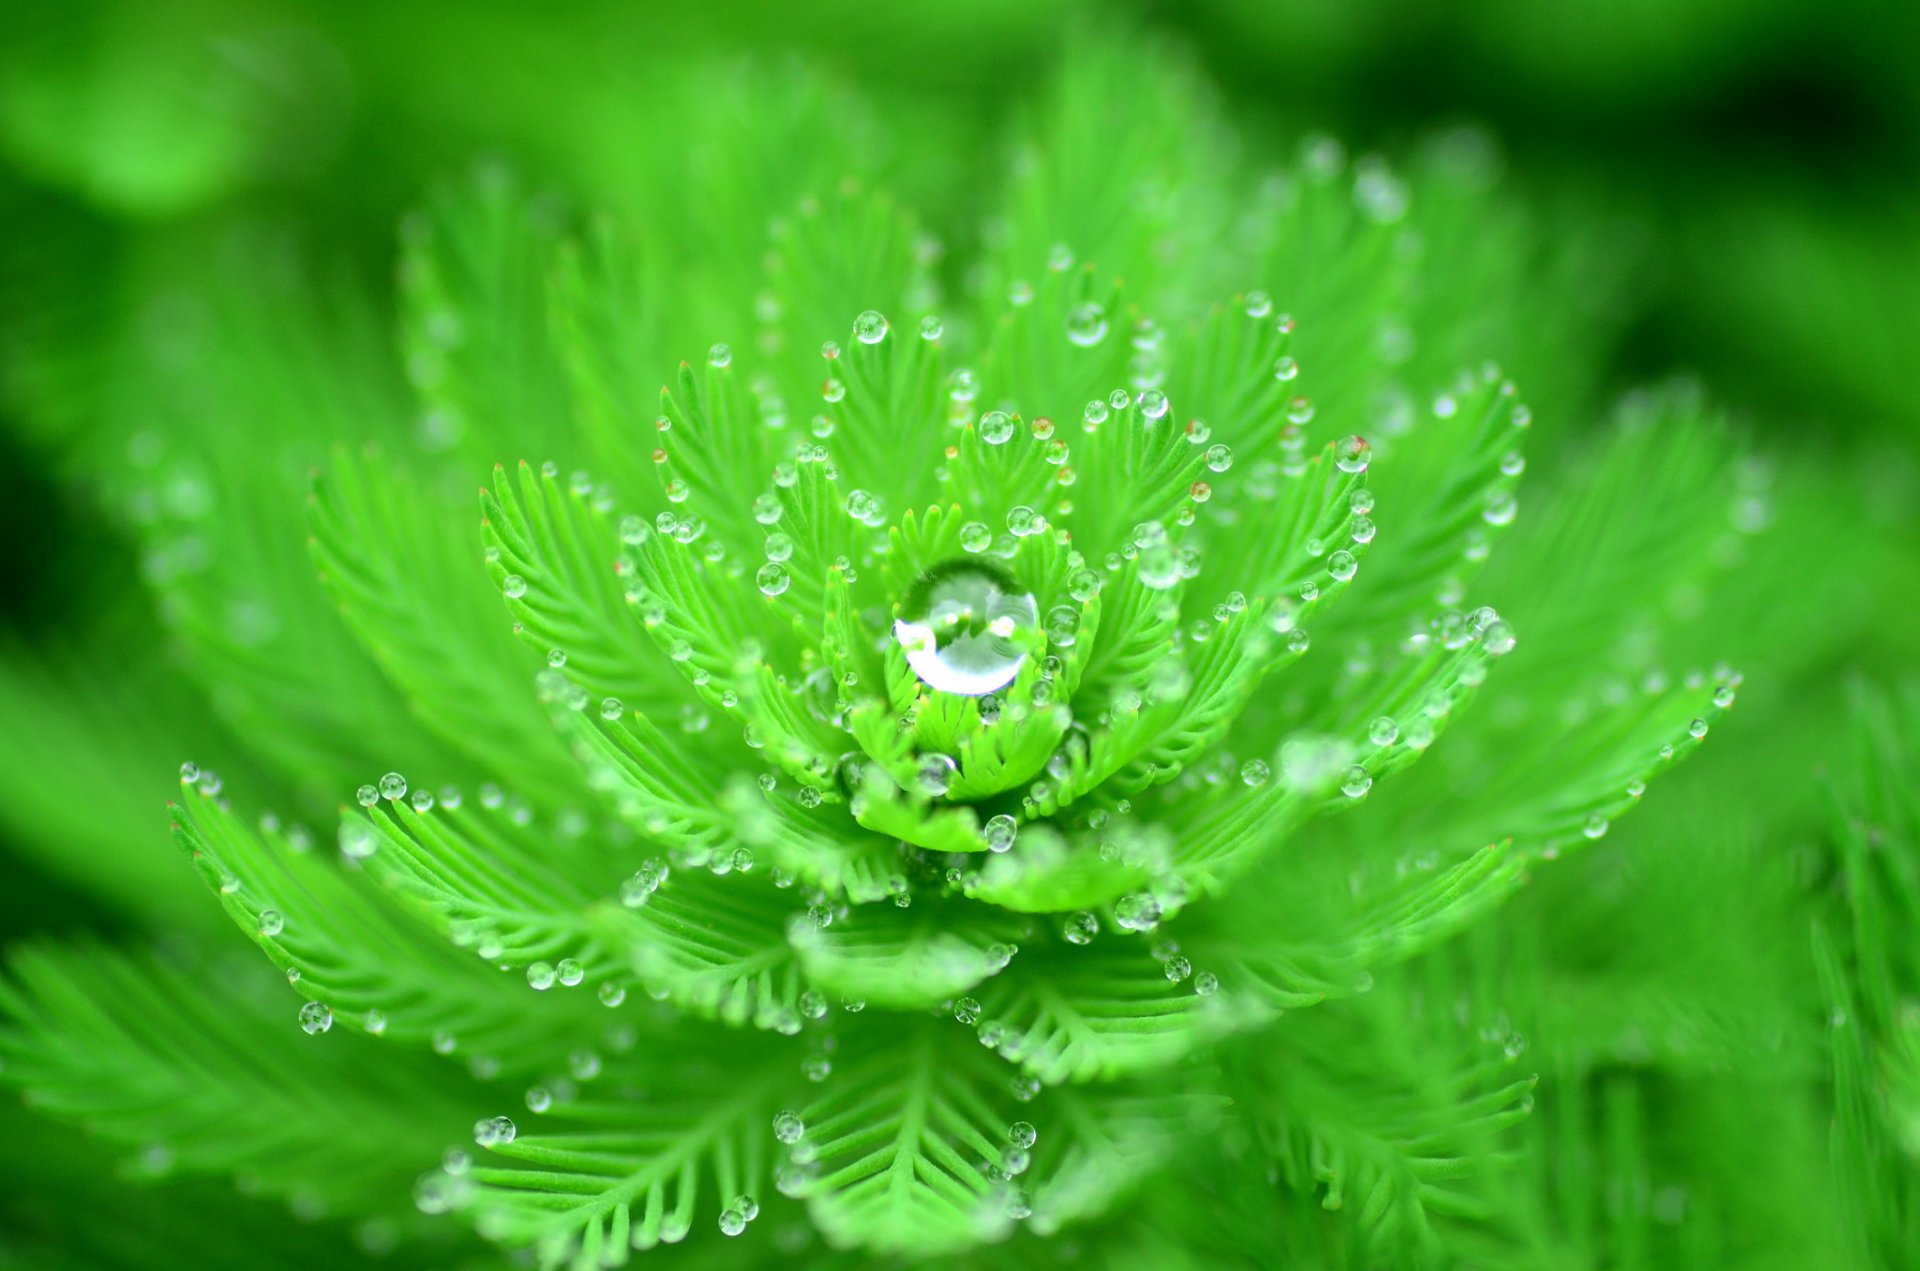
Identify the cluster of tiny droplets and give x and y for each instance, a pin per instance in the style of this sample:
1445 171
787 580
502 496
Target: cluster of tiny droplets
961 653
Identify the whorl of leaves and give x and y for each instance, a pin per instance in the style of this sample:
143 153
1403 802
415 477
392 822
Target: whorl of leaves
758 908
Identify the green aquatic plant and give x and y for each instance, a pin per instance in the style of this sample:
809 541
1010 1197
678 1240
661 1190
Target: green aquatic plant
915 791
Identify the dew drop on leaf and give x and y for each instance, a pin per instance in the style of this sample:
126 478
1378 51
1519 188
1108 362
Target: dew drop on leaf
1080 928
772 579
1352 454
958 630
494 1131
1086 324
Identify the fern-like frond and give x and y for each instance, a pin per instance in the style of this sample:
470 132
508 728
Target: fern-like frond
333 1123
602 1178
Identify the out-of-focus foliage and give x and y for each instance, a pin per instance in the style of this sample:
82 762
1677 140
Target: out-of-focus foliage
284 282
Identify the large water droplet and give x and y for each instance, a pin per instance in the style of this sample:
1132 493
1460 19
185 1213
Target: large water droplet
958 629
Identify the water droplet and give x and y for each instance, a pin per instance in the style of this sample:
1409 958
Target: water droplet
870 327
1080 928
931 328
539 1099
1001 830
1177 968
316 1017
720 356
1357 782
570 972
935 774
1086 324
612 994
1022 1135
494 1131
1063 626
866 507
1159 567
1286 369
1343 566
1153 404
1206 984
1352 454
376 1022
1138 912
271 923
1259 304
540 975
767 509
732 1222
788 1127
1697 729
996 428
393 786
771 578
957 629
1596 826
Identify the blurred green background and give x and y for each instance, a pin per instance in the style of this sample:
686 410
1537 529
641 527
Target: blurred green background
1737 181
